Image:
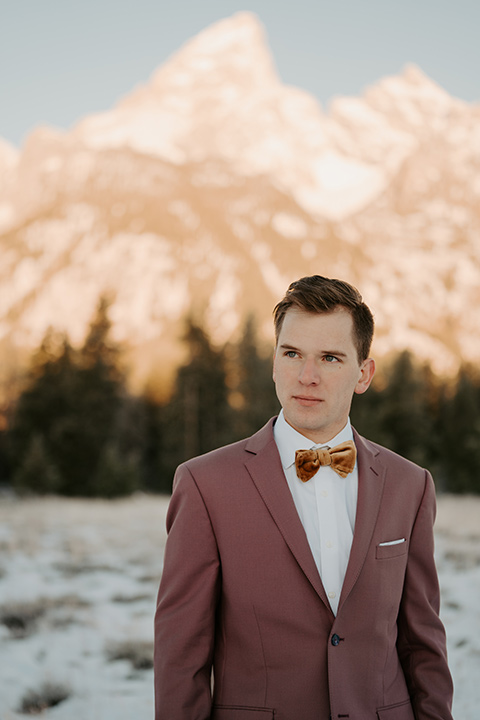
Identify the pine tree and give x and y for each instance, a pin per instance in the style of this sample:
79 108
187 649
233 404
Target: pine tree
366 413
74 399
154 477
97 402
461 434
398 415
36 471
254 390
405 417
99 352
198 417
116 474
43 405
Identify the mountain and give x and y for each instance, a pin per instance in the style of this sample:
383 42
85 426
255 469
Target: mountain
213 186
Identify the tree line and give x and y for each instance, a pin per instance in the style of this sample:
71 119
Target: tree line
76 430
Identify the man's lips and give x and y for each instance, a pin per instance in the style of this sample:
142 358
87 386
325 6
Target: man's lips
306 401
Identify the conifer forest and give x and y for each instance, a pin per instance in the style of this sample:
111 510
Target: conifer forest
74 428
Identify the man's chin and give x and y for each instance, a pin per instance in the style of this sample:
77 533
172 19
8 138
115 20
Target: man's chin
306 427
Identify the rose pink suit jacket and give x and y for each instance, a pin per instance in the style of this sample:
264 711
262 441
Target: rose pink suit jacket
240 592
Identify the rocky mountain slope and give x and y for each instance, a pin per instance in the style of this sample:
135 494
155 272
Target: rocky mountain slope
214 185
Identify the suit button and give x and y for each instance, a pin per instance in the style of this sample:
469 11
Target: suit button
335 640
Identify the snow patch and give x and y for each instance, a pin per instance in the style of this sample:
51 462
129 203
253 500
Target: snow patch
7 216
108 555
290 226
342 186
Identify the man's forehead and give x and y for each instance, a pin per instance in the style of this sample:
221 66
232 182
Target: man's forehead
311 327
339 316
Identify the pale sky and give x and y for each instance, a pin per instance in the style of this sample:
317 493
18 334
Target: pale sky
63 59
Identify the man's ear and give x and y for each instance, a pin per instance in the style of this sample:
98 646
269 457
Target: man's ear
367 371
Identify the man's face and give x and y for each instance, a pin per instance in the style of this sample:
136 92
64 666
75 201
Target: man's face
316 371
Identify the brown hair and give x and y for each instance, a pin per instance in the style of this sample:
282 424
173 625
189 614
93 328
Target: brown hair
317 294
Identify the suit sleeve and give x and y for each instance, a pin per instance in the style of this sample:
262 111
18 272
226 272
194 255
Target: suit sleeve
185 615
421 636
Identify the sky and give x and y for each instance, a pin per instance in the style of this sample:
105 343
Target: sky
60 61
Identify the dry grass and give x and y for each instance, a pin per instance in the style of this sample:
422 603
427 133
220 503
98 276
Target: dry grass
127 599
48 695
138 652
22 618
70 570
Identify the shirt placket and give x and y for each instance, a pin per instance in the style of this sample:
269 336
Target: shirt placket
328 532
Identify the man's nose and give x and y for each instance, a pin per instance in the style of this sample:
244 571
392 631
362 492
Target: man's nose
309 374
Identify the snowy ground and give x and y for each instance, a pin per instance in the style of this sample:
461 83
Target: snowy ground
78 581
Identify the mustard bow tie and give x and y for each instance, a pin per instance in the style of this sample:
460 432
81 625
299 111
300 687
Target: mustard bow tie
341 458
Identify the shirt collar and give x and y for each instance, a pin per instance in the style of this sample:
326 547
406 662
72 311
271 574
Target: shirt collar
288 440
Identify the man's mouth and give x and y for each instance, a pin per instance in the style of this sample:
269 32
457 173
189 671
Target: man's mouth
306 401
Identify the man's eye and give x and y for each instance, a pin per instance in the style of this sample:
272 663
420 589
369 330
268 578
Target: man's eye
291 353
331 358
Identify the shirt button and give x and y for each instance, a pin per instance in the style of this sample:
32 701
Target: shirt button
324 493
331 594
329 544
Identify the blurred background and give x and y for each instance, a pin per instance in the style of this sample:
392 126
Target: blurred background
166 170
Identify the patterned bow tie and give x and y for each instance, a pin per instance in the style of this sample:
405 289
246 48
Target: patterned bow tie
341 459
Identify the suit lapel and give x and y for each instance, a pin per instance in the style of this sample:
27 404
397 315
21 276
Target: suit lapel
371 480
265 469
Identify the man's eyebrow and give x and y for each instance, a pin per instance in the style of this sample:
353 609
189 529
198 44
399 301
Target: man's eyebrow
286 346
337 353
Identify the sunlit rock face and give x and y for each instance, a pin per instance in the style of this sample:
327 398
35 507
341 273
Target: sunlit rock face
214 186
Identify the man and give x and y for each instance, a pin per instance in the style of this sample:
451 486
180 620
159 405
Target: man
311 593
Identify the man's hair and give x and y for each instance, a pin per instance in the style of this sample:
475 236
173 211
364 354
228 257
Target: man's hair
317 294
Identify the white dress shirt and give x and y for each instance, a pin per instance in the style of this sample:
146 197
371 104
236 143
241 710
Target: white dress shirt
326 504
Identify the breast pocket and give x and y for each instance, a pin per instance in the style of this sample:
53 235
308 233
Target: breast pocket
241 712
399 711
384 552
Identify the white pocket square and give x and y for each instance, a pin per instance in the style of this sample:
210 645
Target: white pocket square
392 542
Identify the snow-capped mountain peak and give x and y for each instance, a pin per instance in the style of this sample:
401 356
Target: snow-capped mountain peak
215 185
180 113
220 97
234 49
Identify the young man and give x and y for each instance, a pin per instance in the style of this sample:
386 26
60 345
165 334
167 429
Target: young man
305 582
